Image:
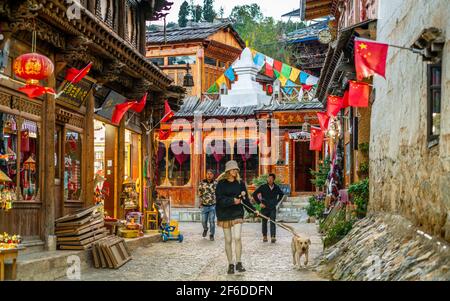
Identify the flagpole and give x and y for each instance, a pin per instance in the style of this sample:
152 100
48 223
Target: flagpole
412 49
71 82
159 122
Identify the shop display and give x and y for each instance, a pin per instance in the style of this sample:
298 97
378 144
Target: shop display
7 195
10 242
130 196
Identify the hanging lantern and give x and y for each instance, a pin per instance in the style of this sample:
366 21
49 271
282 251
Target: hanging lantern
33 67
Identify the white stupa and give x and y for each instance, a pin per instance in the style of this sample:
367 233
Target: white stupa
245 91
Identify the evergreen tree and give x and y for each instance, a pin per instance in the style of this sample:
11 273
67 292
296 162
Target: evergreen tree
208 10
183 14
221 12
198 13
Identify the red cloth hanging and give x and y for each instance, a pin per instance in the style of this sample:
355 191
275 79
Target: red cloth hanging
25 141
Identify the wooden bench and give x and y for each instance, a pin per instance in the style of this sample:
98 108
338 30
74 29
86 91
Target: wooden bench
8 254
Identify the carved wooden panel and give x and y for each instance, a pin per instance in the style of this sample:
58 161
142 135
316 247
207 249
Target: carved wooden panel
27 106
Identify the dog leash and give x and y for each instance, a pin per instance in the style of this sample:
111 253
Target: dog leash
281 225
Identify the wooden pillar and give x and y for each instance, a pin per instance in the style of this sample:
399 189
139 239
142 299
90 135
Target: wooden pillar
49 167
89 150
120 166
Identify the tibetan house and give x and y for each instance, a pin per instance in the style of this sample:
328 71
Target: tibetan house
232 121
53 146
208 48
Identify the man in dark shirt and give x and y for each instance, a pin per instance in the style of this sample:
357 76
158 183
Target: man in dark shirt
269 195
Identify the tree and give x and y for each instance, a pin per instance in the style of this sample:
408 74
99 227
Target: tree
221 12
208 10
197 12
246 13
183 14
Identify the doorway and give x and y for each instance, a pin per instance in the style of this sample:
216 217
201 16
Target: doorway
105 163
304 162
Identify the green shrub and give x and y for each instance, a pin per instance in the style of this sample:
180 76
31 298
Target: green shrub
320 176
336 232
360 195
316 206
364 148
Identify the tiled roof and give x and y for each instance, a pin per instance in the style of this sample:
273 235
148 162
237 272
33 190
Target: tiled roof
307 34
212 108
196 32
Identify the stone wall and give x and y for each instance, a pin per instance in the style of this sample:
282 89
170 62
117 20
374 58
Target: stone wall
387 247
407 177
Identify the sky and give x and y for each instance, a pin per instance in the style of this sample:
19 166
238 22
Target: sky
270 8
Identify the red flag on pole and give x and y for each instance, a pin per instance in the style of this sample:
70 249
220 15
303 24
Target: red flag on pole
33 91
370 58
334 105
316 142
74 75
358 94
164 135
120 110
168 113
138 107
324 120
345 103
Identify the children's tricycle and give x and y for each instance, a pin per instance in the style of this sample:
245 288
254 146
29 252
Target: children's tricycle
171 232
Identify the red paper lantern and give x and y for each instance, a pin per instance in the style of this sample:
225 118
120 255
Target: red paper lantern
33 67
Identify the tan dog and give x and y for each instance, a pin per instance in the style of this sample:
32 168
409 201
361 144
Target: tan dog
300 246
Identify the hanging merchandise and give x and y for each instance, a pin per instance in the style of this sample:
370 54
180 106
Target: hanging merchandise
29 187
129 196
358 94
370 58
7 195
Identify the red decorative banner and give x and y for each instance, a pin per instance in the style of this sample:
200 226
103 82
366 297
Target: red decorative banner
334 105
358 94
370 58
316 142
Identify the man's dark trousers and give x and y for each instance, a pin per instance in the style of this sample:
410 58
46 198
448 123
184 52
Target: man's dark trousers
272 214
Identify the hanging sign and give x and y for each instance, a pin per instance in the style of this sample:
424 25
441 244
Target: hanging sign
76 94
110 103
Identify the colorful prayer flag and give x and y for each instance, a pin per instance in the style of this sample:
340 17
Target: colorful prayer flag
229 73
221 80
312 80
259 60
358 94
277 65
370 58
289 87
286 70
269 70
303 77
294 74
283 80
269 61
213 89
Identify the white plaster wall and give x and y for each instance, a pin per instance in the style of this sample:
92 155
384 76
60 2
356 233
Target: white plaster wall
406 176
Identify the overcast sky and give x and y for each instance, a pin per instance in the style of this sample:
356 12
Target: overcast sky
270 8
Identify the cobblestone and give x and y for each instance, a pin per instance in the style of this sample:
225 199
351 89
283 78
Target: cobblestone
198 259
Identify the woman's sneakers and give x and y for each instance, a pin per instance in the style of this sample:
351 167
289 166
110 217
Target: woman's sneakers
230 269
240 268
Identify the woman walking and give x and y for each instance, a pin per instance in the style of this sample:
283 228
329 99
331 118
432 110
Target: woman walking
231 192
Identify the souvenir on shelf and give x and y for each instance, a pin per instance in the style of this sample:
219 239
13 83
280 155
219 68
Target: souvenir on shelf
99 194
29 187
129 196
9 242
7 195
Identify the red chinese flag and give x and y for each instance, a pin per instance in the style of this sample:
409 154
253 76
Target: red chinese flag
334 105
74 75
277 65
168 113
164 135
120 110
138 107
358 94
316 142
324 120
370 58
269 70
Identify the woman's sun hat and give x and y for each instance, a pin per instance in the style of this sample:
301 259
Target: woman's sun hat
230 165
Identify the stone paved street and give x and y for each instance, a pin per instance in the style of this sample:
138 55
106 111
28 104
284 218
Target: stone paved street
200 259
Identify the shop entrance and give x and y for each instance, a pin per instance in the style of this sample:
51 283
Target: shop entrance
304 162
105 164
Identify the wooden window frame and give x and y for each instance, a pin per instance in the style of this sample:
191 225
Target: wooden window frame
432 140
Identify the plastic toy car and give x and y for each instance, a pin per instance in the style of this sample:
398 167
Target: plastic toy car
171 232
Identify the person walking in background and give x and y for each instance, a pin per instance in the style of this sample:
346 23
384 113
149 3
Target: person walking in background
271 195
231 194
207 194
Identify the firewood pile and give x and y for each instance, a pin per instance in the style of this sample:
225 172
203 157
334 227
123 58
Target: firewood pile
110 252
79 230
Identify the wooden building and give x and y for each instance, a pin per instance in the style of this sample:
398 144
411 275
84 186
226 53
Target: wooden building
236 130
209 48
71 138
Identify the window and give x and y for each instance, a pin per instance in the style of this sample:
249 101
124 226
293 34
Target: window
210 61
217 153
434 103
161 172
132 163
182 60
159 61
19 153
246 155
221 64
179 165
72 166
